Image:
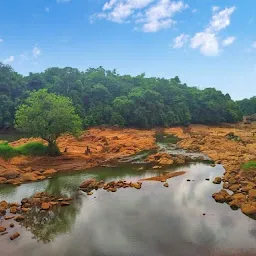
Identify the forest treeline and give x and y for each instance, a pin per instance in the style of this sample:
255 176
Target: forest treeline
104 97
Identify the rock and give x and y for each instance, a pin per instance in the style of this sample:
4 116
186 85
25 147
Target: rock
8 217
235 204
53 203
14 204
25 209
13 209
19 218
4 205
10 174
217 180
166 184
226 185
188 180
252 193
136 185
87 183
4 233
2 229
49 172
239 196
28 177
213 165
2 180
221 196
157 167
24 200
249 208
11 225
207 179
64 203
89 193
45 206
234 187
14 236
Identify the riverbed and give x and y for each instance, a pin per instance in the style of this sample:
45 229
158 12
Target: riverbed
179 220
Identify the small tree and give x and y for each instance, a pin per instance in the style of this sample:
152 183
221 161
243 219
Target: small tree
47 115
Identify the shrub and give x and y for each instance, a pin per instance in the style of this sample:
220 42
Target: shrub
31 148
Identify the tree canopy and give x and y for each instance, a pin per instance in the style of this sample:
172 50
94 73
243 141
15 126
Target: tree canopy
105 97
47 115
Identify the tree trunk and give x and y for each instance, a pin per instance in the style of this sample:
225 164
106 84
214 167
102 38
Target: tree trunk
53 149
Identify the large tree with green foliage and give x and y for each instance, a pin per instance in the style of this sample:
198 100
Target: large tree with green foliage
47 115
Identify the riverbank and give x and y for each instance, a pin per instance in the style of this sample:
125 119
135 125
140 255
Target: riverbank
232 146
105 146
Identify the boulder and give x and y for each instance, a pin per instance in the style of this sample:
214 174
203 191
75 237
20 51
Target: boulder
45 206
217 180
2 229
49 172
3 205
87 183
234 187
14 236
252 193
19 218
13 209
249 208
10 174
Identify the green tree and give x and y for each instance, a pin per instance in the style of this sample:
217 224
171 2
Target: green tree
47 115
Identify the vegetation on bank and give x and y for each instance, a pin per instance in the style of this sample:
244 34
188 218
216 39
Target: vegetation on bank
251 165
31 148
105 97
248 106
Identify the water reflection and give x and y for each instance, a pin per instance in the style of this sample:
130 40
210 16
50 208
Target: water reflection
152 221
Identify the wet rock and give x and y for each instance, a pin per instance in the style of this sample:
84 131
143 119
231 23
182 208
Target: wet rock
226 185
25 209
4 205
28 177
4 233
166 184
24 200
64 203
221 196
13 209
87 183
8 217
217 180
11 225
2 229
19 218
45 206
14 236
2 180
90 193
235 204
136 185
249 208
207 179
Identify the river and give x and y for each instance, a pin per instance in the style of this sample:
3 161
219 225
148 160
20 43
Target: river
180 220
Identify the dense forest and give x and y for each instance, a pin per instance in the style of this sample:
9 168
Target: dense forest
104 97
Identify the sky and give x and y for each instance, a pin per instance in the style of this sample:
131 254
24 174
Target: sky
207 43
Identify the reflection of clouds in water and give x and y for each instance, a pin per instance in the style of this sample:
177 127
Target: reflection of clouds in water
153 221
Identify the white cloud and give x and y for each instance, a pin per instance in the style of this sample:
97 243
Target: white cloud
254 45
152 14
180 41
1 40
207 41
160 15
8 60
228 41
215 8
36 52
47 9
194 10
63 1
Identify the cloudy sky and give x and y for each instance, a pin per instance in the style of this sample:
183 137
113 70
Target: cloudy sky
207 43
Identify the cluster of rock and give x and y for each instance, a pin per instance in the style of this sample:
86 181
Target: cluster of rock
17 176
163 158
17 211
112 186
244 192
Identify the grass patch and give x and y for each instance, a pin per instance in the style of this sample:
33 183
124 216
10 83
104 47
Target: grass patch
249 165
166 138
31 148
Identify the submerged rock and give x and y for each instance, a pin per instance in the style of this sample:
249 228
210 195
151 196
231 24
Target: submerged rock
217 180
14 236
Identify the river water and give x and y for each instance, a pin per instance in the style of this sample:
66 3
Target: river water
181 220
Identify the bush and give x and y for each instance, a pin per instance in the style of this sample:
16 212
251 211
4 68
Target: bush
249 165
31 148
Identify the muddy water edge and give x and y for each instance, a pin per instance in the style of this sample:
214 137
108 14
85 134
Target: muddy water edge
181 219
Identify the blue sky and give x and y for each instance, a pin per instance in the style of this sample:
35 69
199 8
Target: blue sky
207 43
